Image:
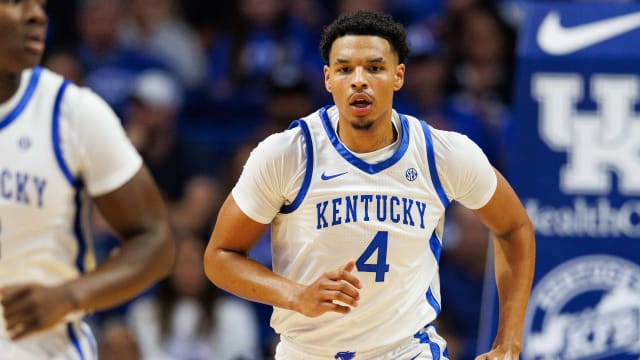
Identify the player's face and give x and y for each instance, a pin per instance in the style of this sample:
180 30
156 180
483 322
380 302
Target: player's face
362 75
23 26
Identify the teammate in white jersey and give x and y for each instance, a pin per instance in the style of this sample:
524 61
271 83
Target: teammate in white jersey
356 195
62 147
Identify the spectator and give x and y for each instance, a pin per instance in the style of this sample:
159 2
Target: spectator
188 318
154 25
462 275
117 342
150 120
109 65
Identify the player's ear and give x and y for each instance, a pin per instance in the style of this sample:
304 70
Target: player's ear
327 75
398 77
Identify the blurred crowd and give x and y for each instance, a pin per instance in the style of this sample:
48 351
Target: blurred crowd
198 83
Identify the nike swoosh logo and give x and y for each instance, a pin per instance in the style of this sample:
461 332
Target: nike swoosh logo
555 39
329 177
413 358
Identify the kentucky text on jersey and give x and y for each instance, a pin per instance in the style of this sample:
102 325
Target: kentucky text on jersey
21 187
369 207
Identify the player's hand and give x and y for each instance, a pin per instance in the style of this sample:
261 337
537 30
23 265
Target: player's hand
29 308
500 353
333 291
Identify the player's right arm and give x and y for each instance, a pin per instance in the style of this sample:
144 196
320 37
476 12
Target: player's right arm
229 267
262 190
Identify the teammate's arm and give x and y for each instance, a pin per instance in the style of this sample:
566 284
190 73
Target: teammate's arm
228 266
136 212
514 245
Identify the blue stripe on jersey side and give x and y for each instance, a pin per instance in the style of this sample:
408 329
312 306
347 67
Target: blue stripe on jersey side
55 134
431 158
31 87
431 299
423 336
74 340
436 246
359 163
77 228
304 188
435 348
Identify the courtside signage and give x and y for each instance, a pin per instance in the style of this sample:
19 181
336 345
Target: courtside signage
575 161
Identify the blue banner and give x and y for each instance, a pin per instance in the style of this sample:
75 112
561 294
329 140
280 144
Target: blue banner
574 159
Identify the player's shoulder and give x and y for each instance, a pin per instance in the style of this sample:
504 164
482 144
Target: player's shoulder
449 139
293 137
280 145
72 92
445 139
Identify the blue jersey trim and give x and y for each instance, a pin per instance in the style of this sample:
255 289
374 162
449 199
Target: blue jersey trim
77 184
74 340
433 171
306 182
435 348
31 87
423 337
436 246
77 228
55 135
355 161
431 299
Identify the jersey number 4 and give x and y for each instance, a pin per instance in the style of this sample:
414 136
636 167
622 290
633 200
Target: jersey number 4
380 267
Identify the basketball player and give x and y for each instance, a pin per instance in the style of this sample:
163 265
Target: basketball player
356 195
60 146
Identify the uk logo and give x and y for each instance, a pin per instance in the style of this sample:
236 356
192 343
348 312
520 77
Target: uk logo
598 143
586 308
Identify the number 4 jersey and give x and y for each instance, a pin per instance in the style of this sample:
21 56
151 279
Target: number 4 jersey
385 210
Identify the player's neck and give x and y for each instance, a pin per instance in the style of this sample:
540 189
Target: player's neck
9 84
367 140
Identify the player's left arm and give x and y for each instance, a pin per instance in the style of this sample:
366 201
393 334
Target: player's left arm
514 254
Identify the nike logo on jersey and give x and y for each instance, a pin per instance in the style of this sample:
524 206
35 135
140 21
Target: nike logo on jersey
555 39
326 177
415 357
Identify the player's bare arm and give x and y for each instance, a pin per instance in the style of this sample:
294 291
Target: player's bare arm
228 266
514 245
137 214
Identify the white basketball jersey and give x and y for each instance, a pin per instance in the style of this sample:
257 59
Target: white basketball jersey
387 216
59 143
43 210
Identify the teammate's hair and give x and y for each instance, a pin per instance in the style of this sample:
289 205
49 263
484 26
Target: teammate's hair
366 23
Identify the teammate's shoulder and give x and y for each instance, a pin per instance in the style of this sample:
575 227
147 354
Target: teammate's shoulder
54 79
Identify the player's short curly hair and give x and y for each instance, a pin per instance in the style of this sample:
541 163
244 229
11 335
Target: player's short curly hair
366 23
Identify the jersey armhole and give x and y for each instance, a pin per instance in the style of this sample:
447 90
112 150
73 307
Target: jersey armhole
55 135
433 170
304 188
